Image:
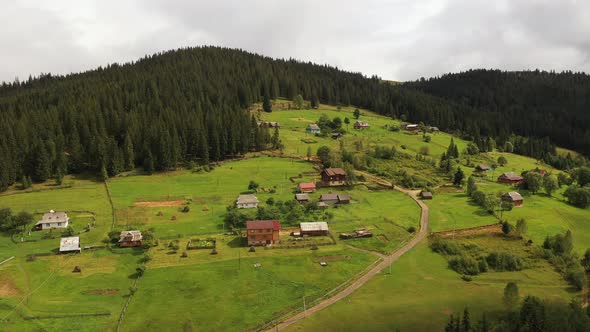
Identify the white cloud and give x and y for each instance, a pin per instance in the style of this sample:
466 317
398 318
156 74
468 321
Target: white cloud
400 39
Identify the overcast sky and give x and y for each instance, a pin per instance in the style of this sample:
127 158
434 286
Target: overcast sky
398 39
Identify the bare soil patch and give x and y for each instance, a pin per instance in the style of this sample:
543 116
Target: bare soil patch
159 203
102 292
8 288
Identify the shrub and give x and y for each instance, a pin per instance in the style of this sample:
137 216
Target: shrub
466 278
186 209
446 247
577 277
411 229
465 265
483 265
504 261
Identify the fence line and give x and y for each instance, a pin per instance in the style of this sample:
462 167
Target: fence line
7 260
112 205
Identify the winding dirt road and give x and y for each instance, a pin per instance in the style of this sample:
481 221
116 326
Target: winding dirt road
387 260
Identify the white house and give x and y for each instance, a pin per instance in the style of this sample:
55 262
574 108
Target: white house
53 219
69 244
246 202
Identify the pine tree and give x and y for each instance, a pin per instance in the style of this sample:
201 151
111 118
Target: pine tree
148 162
458 177
128 153
466 321
41 164
266 105
275 140
471 186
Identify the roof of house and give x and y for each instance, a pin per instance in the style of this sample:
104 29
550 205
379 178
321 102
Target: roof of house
334 171
313 126
513 195
329 197
302 197
361 123
247 199
264 224
53 217
483 167
130 236
307 185
344 197
411 125
69 243
426 194
511 176
314 226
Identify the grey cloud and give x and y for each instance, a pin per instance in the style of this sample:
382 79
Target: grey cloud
401 39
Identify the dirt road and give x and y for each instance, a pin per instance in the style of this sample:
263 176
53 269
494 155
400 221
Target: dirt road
387 260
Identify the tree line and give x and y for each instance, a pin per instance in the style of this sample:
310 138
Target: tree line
188 105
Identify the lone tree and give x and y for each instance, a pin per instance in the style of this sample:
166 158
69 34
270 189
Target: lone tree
521 227
253 185
471 186
550 184
502 161
309 153
298 102
346 122
533 181
511 295
324 154
458 177
266 105
356 113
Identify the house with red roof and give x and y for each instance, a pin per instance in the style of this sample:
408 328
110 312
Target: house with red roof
510 178
263 232
307 187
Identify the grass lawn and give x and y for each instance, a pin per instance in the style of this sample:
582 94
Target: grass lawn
422 291
232 294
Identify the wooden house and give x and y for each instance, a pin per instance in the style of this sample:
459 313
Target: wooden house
51 220
510 178
307 187
329 199
513 197
344 199
412 127
333 177
263 232
314 228
130 239
247 202
312 128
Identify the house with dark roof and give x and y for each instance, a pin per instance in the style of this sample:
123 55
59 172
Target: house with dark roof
510 178
333 177
312 128
482 168
426 195
344 199
514 198
329 199
263 232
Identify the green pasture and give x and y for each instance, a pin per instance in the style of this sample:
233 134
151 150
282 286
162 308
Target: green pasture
421 292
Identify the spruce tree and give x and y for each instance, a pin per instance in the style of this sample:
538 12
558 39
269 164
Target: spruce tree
266 105
129 155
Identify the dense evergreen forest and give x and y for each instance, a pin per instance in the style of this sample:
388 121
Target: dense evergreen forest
528 103
188 105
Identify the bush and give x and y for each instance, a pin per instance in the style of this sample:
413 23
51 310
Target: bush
466 278
186 209
446 247
504 261
465 265
577 277
411 229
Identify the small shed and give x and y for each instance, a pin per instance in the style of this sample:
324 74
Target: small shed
312 129
361 125
482 168
426 195
344 198
322 205
329 199
307 187
69 244
247 202
302 198
314 228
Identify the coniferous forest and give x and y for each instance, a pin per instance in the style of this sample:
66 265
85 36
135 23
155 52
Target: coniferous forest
189 105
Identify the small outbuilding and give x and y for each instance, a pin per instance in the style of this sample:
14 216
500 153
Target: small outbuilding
513 197
329 199
69 244
130 239
322 205
312 128
344 199
412 127
314 228
482 168
426 195
302 198
361 125
247 202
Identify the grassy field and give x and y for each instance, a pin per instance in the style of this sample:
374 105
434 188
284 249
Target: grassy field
421 292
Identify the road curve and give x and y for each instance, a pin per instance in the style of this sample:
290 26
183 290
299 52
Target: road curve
387 260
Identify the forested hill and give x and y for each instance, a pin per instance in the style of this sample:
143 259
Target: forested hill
189 105
528 103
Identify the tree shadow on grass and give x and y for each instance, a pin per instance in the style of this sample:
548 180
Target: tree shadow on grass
237 242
